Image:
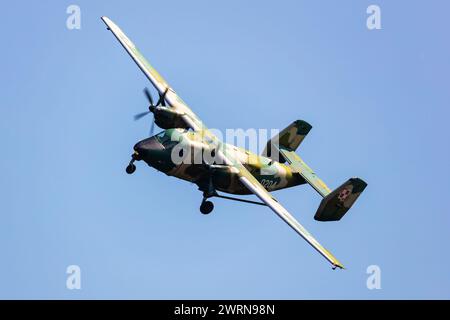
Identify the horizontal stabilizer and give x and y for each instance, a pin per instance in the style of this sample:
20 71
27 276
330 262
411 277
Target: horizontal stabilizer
299 166
336 204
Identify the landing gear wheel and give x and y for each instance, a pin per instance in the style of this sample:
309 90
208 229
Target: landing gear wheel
130 168
206 207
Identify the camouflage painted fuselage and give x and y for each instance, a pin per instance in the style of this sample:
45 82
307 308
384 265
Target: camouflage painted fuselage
189 156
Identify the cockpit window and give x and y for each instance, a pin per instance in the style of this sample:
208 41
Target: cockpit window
170 137
162 137
165 139
161 134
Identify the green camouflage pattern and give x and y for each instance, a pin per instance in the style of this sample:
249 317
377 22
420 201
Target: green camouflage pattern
289 138
195 168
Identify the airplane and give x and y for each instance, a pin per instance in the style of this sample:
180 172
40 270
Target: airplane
230 169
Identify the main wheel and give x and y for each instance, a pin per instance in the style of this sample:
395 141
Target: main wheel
130 168
206 207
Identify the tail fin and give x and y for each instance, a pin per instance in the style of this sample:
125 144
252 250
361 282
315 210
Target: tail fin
289 139
336 204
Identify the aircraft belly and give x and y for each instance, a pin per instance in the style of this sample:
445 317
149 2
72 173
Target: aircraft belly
189 172
229 183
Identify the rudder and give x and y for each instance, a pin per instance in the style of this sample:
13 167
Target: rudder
335 205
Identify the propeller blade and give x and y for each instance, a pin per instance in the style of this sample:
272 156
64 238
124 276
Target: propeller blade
151 108
152 127
162 98
163 101
140 115
149 96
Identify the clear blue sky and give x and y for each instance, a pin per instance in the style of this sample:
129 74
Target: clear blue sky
378 102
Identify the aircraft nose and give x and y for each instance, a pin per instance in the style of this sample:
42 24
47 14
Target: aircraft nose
147 147
154 154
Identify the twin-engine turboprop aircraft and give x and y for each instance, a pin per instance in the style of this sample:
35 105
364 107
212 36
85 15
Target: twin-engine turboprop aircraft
227 168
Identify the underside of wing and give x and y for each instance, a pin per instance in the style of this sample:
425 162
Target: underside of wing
254 186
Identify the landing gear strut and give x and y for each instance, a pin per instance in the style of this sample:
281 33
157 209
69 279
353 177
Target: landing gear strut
207 206
131 166
209 192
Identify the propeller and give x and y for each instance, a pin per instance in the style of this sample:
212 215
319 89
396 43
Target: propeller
151 108
140 115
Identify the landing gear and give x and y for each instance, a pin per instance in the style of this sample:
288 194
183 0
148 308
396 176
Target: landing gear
206 207
130 168
208 191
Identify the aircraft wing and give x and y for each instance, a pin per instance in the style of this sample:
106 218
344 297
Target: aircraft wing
155 78
254 186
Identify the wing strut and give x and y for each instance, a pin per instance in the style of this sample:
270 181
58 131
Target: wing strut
216 195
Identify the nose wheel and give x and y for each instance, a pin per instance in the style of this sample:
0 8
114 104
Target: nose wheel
206 207
130 168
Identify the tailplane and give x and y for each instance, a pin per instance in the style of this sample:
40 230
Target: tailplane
335 203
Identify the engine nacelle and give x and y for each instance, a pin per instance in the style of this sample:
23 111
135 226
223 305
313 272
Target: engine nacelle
168 118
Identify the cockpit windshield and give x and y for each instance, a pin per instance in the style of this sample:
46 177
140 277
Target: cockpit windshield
166 138
162 137
169 137
160 134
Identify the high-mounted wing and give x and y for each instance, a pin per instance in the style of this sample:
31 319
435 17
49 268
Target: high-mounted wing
155 78
227 156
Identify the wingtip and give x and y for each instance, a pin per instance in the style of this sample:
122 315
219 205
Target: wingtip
106 20
338 265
